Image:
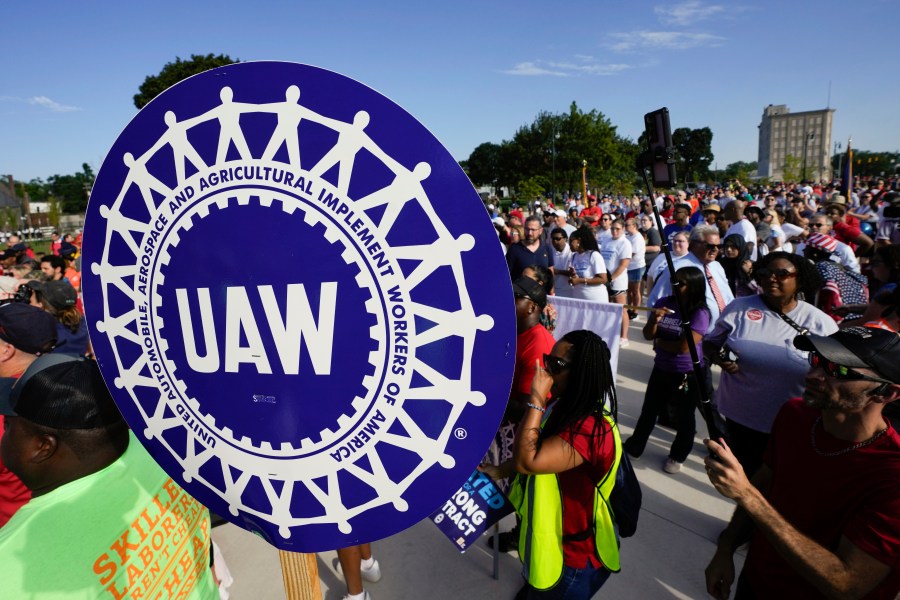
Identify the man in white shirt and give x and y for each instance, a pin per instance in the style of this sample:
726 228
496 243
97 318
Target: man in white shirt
560 222
562 255
704 247
740 225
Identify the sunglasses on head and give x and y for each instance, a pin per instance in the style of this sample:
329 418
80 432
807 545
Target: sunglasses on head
779 274
832 369
554 364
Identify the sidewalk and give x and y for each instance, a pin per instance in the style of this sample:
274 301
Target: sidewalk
680 519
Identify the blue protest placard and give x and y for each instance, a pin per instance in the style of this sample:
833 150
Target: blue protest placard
471 510
299 303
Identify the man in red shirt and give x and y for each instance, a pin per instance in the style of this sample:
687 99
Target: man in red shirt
846 227
26 332
532 343
591 215
823 512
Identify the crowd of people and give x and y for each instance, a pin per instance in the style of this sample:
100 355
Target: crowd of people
72 475
791 292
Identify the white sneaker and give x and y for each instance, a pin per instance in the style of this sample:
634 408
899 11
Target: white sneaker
624 343
672 466
366 596
372 574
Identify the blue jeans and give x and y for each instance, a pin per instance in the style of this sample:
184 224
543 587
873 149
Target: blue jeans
575 584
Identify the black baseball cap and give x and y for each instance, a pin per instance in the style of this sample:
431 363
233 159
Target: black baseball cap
525 287
28 328
858 347
59 293
61 391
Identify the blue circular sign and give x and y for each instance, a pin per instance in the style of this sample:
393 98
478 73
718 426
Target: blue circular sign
298 302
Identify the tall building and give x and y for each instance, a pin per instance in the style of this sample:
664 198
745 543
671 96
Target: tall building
801 141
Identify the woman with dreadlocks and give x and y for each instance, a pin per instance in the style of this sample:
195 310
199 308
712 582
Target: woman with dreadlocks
566 452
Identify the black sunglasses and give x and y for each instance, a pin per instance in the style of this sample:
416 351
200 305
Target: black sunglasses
779 274
709 246
554 364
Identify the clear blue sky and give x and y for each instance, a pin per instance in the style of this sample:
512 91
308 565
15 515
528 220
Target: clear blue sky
470 71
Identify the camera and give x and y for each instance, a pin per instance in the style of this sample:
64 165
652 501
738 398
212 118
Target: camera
23 295
727 355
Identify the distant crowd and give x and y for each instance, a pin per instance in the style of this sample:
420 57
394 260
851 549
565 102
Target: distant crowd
790 290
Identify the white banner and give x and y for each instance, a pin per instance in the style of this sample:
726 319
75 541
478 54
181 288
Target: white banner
603 318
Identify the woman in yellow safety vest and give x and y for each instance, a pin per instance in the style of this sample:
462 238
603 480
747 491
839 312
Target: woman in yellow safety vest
567 452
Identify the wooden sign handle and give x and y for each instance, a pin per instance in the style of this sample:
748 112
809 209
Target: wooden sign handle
301 576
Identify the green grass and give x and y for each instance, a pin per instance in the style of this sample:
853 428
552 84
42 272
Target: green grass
40 247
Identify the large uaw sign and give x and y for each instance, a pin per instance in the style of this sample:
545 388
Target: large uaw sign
298 302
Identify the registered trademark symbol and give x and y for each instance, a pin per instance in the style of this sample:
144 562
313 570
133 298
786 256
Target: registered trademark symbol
460 433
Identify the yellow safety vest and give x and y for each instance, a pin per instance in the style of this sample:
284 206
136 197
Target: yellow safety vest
538 502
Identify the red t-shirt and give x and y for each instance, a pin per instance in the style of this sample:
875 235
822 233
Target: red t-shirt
531 345
856 495
577 487
13 493
846 233
593 211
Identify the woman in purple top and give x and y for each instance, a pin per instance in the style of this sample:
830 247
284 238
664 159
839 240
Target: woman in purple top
673 377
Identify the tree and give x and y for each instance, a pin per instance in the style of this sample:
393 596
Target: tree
740 170
483 164
693 152
793 168
531 188
9 218
554 147
174 72
54 211
71 191
36 189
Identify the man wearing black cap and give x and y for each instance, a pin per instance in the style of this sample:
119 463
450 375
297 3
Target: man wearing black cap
824 509
104 519
26 332
532 343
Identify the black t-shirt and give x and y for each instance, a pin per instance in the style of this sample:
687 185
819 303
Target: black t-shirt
518 257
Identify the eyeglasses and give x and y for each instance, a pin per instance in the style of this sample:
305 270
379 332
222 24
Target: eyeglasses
605 219
832 369
817 225
711 247
554 364
779 274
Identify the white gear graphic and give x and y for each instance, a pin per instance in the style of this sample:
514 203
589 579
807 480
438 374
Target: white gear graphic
239 459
